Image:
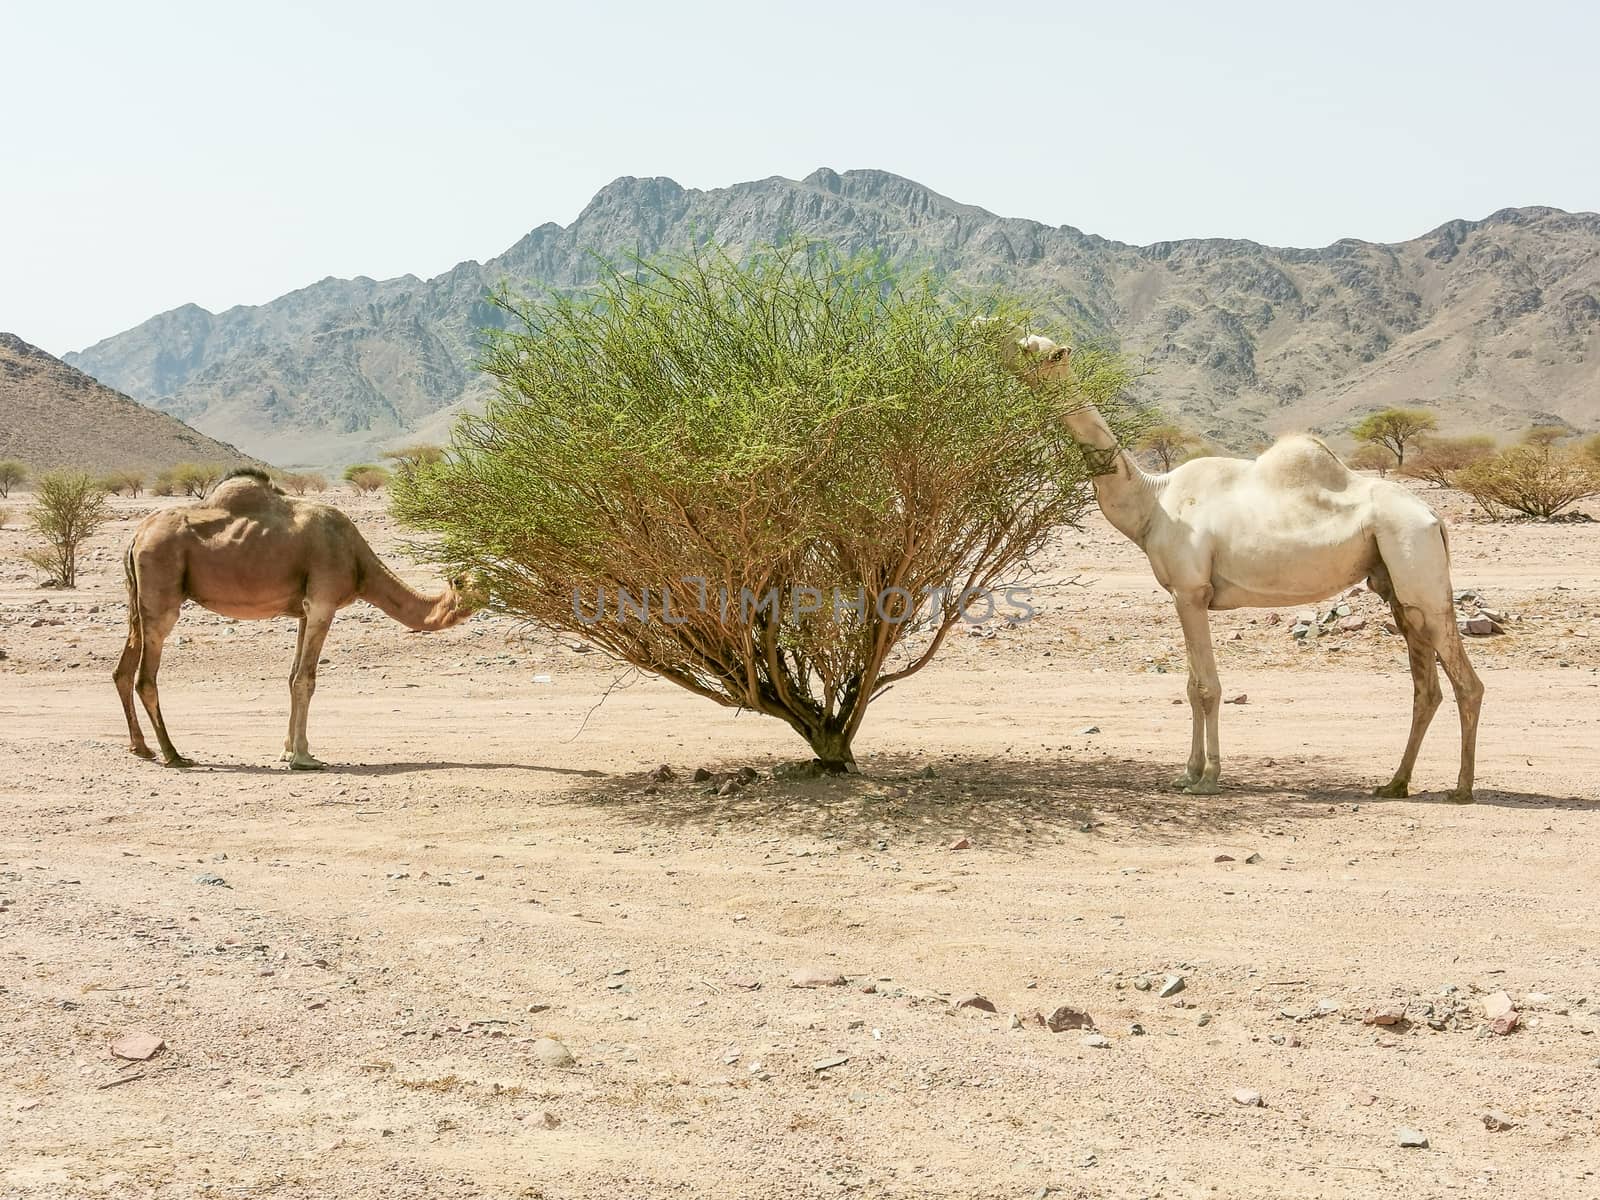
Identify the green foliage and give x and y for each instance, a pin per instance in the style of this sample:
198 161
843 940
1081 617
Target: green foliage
1169 445
68 506
1538 477
12 474
127 480
1591 449
365 477
187 479
1437 459
298 483
1395 429
415 456
800 422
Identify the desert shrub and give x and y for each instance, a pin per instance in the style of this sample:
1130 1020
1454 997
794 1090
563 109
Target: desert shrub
12 474
68 506
128 480
415 456
1540 477
1437 459
1370 457
1591 449
1169 445
1395 429
365 477
164 484
779 461
4 513
187 479
300 482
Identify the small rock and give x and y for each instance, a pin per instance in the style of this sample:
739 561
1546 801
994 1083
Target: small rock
973 1000
1497 1004
927 772
961 843
1252 859
1305 617
1496 1121
211 880
1351 624
701 775
827 1064
552 1053
1476 626
1087 729
1411 1138
1384 1016
1171 986
136 1046
1223 858
814 977
1241 698
1504 1025
1095 1041
1248 1098
730 787
1016 1021
747 775
1065 1018
663 774
550 1120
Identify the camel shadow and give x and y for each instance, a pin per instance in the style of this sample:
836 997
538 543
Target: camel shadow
1013 803
392 768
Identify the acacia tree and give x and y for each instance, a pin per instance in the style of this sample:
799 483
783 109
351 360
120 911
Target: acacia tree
777 485
1395 429
12 473
365 477
68 506
1539 477
1437 459
1168 445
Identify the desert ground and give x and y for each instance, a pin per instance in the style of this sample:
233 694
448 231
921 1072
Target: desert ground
354 972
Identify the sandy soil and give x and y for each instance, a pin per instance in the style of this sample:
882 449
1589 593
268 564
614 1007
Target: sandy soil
354 1010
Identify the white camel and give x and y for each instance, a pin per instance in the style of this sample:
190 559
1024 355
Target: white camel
1291 527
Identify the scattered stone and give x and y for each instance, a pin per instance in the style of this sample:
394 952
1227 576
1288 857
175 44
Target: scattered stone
1248 1098
1504 1025
1274 619
1384 1016
663 774
815 977
1241 698
973 1000
730 787
211 880
701 775
550 1120
1351 624
827 1064
552 1053
1477 626
1171 986
961 843
1095 1041
1065 1018
1413 1139
1494 1122
1016 1021
1141 984
1306 617
136 1046
927 772
1497 1004
747 775
1087 729
748 982
1252 859
1217 859
808 768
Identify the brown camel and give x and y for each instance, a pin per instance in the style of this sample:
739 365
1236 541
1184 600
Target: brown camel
248 551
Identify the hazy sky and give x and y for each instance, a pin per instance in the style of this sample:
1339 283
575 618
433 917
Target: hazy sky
159 153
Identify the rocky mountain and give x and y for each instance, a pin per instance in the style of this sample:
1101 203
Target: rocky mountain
1494 323
52 415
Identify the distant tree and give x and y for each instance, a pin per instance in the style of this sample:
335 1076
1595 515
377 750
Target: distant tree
1543 435
301 482
130 481
1539 477
1371 457
12 474
365 477
165 483
415 456
1436 459
1395 429
1591 449
196 479
68 506
1169 445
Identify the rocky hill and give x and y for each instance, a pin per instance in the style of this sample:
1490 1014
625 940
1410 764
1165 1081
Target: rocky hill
52 415
1494 323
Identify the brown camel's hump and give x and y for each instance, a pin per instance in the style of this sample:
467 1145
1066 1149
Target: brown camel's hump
245 489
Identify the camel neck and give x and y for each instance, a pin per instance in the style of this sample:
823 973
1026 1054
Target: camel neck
385 590
1126 493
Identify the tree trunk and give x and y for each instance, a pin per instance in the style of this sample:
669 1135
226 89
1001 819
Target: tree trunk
832 749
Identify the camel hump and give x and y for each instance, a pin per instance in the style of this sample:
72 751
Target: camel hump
1302 460
244 487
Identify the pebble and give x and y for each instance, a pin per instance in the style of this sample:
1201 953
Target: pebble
973 1000
552 1053
136 1046
1496 1004
1496 1121
1384 1016
961 843
827 1064
1065 1018
1087 729
1411 1138
1171 986
1248 1098
1095 1041
813 977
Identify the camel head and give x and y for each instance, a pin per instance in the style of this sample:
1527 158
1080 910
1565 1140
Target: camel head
1040 359
466 594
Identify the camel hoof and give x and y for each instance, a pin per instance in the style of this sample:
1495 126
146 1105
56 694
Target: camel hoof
1392 791
178 760
1204 787
1459 797
142 752
1184 782
307 764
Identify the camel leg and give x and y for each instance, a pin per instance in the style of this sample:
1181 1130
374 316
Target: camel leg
123 676
299 643
1469 697
1205 694
155 628
318 621
1425 697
